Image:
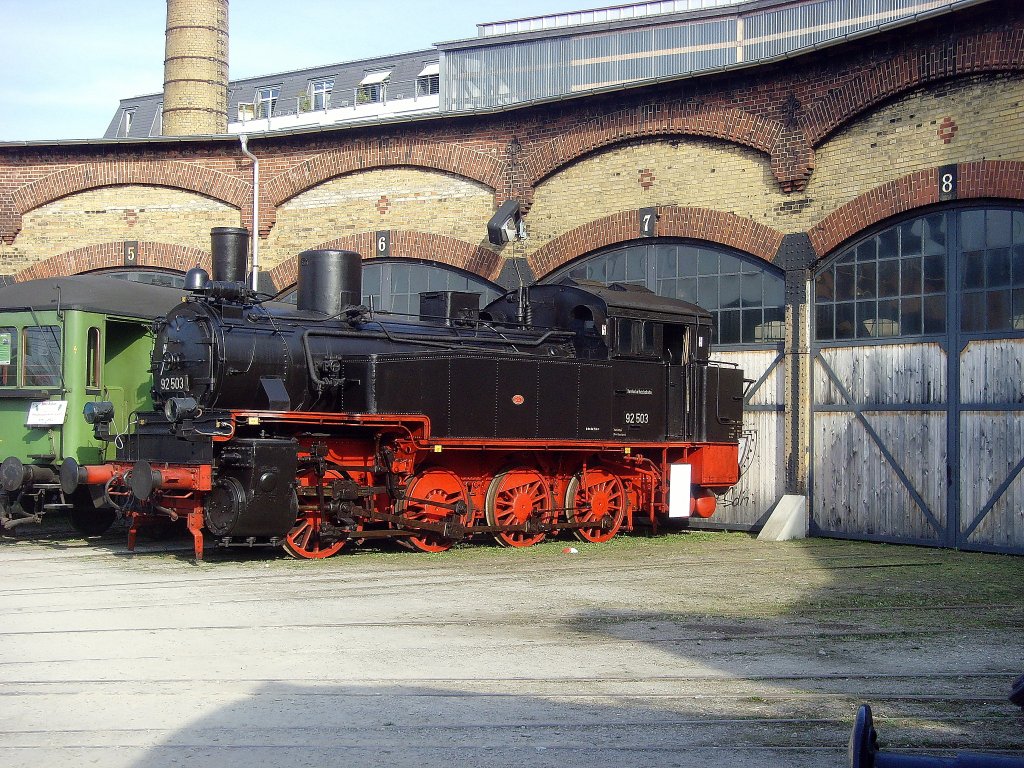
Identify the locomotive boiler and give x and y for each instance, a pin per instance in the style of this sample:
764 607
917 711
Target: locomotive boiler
578 408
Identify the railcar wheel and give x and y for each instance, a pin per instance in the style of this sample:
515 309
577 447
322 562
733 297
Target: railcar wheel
439 486
596 494
514 497
303 541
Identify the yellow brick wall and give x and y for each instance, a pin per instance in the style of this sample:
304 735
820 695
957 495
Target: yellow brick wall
886 143
686 172
902 137
112 214
412 199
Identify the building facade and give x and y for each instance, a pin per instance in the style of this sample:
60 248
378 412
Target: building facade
853 216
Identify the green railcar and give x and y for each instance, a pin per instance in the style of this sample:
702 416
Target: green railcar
64 342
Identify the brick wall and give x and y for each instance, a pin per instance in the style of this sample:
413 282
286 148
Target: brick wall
113 215
813 145
406 199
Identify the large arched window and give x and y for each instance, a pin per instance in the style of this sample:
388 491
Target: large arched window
895 282
162 277
744 295
394 285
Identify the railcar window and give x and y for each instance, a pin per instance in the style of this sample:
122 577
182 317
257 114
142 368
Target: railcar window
41 357
638 338
92 359
8 356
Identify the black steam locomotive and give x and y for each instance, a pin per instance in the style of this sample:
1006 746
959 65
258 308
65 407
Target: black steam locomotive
578 407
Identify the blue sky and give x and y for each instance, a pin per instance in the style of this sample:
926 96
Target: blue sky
65 64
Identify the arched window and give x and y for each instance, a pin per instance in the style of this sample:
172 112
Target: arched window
163 277
744 295
394 285
895 281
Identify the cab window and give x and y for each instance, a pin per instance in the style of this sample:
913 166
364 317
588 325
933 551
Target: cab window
41 356
8 356
638 338
92 359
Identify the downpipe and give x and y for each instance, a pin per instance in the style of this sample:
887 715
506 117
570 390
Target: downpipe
255 238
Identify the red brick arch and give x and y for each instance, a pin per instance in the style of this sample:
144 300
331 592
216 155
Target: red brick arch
471 257
987 52
791 155
10 219
998 179
105 255
367 155
673 221
175 174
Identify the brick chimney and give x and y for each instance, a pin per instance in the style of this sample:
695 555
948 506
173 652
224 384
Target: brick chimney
196 68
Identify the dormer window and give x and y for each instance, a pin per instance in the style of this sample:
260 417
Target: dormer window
127 116
266 101
428 81
157 128
320 93
373 87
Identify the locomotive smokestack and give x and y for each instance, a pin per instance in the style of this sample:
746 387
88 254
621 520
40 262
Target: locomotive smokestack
329 281
230 249
196 68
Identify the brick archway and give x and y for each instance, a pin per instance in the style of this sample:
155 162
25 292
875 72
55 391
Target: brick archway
989 52
673 221
791 155
174 174
470 257
983 179
106 255
368 155
10 219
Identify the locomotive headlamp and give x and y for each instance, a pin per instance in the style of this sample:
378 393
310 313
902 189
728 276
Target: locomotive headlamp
101 412
180 408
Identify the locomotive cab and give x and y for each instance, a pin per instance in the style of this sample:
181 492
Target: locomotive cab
663 382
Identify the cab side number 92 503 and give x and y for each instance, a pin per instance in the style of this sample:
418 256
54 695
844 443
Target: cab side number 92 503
174 383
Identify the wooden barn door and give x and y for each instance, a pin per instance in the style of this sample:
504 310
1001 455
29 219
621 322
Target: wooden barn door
918 384
991 446
762 460
881 443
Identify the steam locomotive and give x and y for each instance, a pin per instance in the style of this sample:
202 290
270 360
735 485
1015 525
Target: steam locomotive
579 408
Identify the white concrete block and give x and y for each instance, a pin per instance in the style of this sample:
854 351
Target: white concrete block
787 521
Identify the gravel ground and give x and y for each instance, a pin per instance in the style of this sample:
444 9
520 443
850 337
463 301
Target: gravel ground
680 650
